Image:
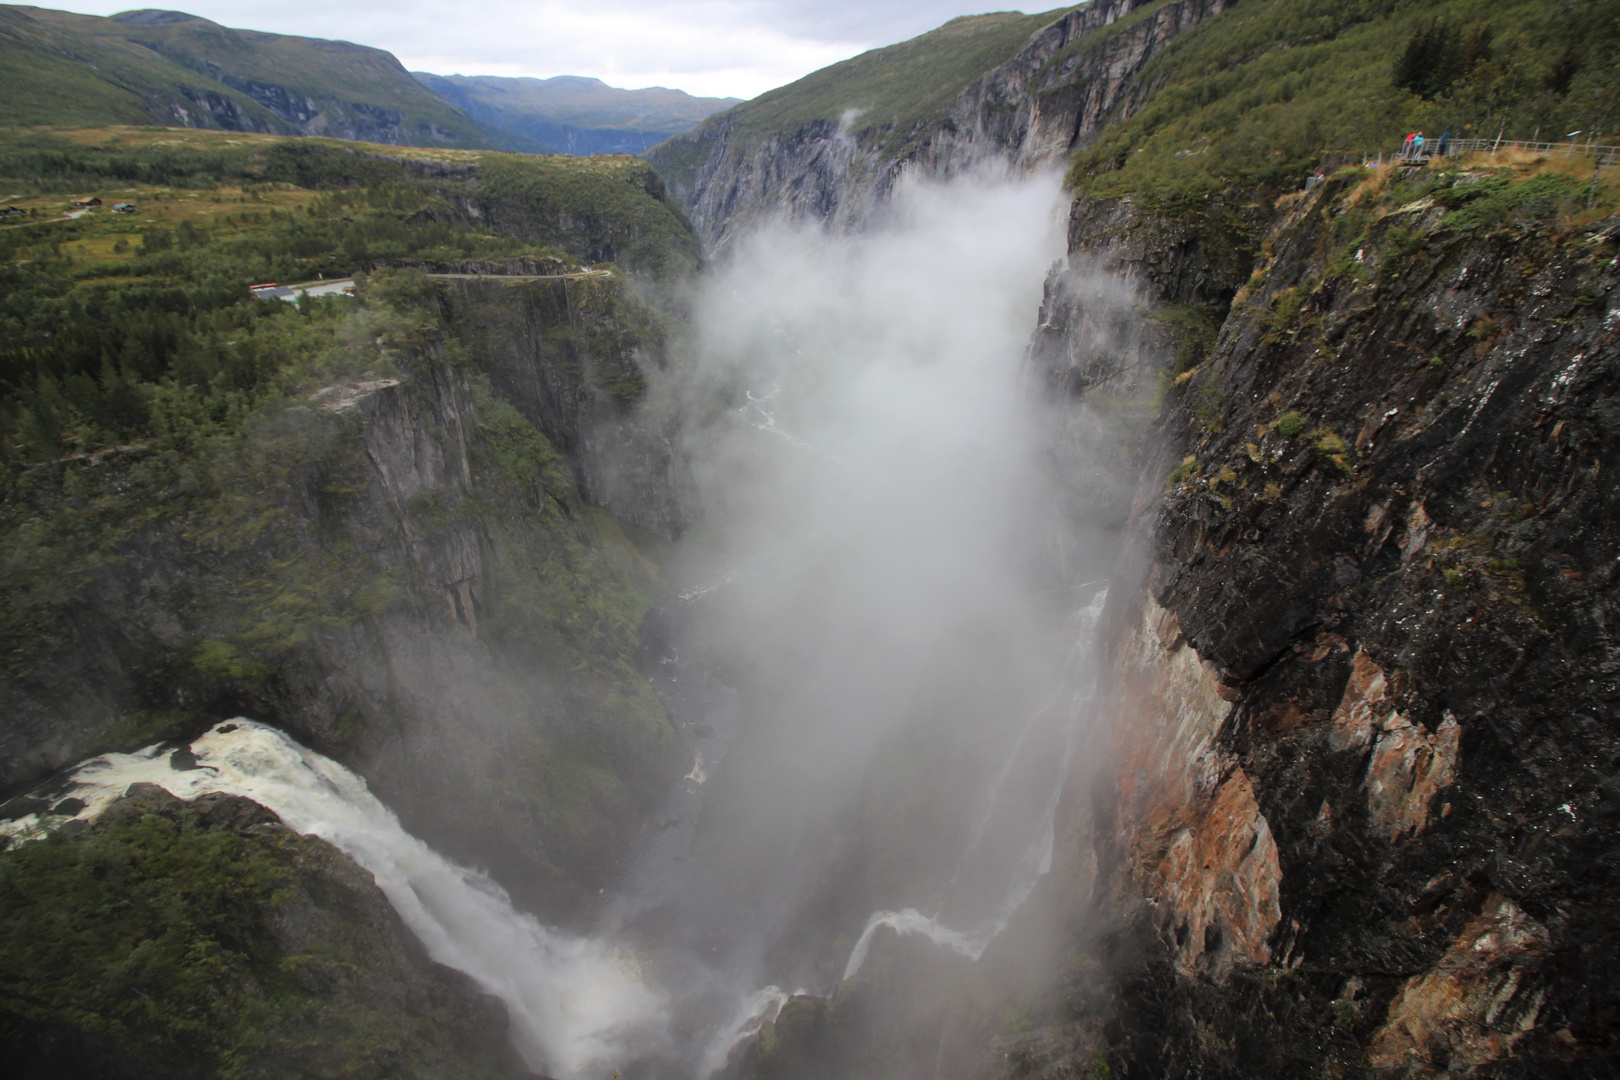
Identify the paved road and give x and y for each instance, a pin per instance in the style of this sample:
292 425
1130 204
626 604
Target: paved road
50 221
527 277
334 286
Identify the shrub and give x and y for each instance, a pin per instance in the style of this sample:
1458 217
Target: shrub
1289 425
1183 472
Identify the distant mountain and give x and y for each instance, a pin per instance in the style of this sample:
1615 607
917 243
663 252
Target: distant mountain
178 70
576 115
831 145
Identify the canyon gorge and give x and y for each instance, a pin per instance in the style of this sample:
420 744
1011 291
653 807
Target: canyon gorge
985 621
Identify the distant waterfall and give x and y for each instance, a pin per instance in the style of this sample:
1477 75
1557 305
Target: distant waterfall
577 1005
1035 860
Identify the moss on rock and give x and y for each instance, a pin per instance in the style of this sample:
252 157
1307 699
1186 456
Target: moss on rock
201 939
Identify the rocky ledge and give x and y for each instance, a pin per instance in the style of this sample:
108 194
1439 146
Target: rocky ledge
204 938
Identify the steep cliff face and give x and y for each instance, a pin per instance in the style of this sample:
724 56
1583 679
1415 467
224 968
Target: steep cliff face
574 356
1355 812
1030 110
403 571
1365 697
192 939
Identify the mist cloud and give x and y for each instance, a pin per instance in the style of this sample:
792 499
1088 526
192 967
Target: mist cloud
872 576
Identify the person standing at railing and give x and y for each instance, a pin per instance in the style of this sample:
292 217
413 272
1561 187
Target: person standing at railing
1417 146
1406 144
1445 143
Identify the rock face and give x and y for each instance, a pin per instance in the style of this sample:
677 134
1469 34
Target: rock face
1198 841
1031 111
1365 711
1181 269
1027 112
574 356
186 938
474 648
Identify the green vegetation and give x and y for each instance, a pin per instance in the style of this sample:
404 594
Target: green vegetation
153 414
898 87
1385 217
193 949
1438 57
128 328
1194 330
1494 199
1183 472
164 67
1255 96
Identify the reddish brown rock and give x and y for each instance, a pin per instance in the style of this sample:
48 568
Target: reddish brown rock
1219 882
1409 766
1480 999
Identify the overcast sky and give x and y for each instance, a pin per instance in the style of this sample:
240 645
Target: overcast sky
717 48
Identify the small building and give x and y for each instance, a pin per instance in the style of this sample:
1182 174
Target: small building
269 290
124 208
88 203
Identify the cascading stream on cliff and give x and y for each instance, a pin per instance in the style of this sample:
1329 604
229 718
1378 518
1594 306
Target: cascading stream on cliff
1064 718
575 1004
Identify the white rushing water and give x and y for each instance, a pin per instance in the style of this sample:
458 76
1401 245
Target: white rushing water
577 1005
758 1009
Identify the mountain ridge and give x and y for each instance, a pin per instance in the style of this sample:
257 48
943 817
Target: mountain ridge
181 70
1022 91
578 114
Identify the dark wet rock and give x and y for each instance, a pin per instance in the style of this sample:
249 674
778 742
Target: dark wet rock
183 760
1382 594
232 811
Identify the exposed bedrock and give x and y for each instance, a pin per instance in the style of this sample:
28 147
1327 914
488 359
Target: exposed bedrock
1029 112
1355 814
575 356
1364 700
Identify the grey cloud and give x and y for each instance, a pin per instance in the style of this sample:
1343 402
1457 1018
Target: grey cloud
712 47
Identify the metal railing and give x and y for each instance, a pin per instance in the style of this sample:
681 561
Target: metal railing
1606 155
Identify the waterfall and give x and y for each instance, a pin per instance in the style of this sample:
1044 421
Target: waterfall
760 1008
873 470
1035 857
577 1004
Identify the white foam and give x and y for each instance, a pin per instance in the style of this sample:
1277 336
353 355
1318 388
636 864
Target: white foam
578 1005
911 921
